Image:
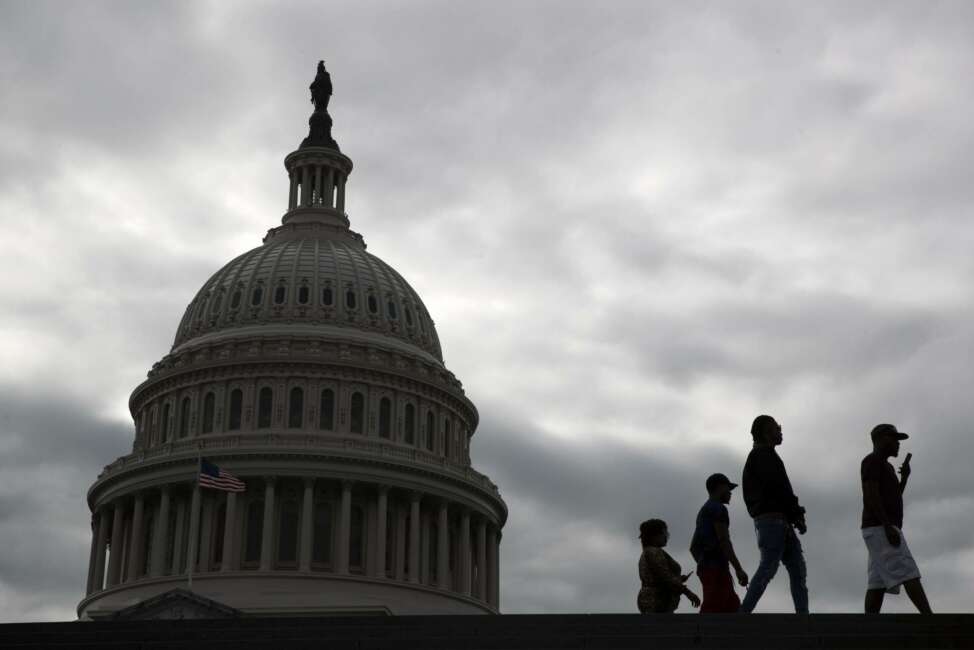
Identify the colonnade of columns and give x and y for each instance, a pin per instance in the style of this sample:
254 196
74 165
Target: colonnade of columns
317 185
296 524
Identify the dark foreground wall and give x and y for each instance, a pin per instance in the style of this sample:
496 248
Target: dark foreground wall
527 632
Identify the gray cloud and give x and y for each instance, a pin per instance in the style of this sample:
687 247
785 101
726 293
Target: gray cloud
636 225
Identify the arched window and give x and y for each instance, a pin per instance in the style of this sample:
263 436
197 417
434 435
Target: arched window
217 301
235 299
350 300
254 532
356 540
409 316
446 437
385 417
373 304
321 548
409 426
326 297
236 409
295 415
257 296
391 307
265 404
326 419
219 528
430 431
184 418
209 404
280 294
164 427
287 537
303 294
357 419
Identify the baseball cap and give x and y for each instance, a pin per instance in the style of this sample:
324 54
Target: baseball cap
718 479
884 430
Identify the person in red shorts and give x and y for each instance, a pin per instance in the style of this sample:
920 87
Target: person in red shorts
712 549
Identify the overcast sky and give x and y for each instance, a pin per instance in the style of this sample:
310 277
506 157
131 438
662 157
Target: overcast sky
636 225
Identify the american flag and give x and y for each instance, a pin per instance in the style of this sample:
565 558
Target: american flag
212 476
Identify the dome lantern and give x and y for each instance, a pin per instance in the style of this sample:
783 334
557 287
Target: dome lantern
317 170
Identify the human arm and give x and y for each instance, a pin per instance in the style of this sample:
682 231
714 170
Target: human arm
727 548
770 487
873 503
905 472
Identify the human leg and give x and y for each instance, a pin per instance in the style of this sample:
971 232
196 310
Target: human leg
718 591
914 589
794 560
874 600
771 538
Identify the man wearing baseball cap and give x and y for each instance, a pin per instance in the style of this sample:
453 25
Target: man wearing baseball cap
712 549
890 562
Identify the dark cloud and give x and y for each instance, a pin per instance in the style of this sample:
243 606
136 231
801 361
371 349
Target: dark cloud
636 225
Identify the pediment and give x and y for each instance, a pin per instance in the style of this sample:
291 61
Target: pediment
173 605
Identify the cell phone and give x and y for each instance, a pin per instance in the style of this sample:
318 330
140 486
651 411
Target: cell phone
908 457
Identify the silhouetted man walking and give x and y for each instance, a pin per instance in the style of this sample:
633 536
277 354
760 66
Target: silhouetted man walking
712 549
890 561
772 503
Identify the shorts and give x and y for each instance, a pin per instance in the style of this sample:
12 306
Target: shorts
889 566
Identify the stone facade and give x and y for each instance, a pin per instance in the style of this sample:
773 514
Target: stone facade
312 371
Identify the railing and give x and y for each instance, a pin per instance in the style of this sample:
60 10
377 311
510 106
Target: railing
301 442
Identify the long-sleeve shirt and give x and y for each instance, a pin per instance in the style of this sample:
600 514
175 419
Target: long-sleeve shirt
661 582
766 486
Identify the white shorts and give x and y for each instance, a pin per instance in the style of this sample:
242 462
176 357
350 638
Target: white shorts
889 566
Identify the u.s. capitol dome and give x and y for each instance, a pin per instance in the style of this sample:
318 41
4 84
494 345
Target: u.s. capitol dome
309 369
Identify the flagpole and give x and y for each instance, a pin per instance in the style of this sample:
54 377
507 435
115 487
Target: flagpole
194 518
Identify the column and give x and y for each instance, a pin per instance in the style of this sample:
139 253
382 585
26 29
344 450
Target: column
492 568
228 563
267 535
161 536
126 551
321 197
292 197
340 202
481 592
194 530
381 534
137 544
98 580
305 186
93 553
307 524
414 543
206 534
443 548
177 540
400 544
464 567
115 556
344 526
424 548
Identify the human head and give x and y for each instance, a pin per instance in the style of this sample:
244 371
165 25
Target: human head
719 487
765 430
653 532
886 439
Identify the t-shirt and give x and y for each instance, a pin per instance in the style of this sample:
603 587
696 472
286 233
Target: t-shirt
876 468
705 546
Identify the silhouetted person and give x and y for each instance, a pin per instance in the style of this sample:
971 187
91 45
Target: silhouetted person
773 505
890 561
659 574
712 549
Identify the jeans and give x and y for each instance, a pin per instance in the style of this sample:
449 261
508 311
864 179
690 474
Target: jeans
779 545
